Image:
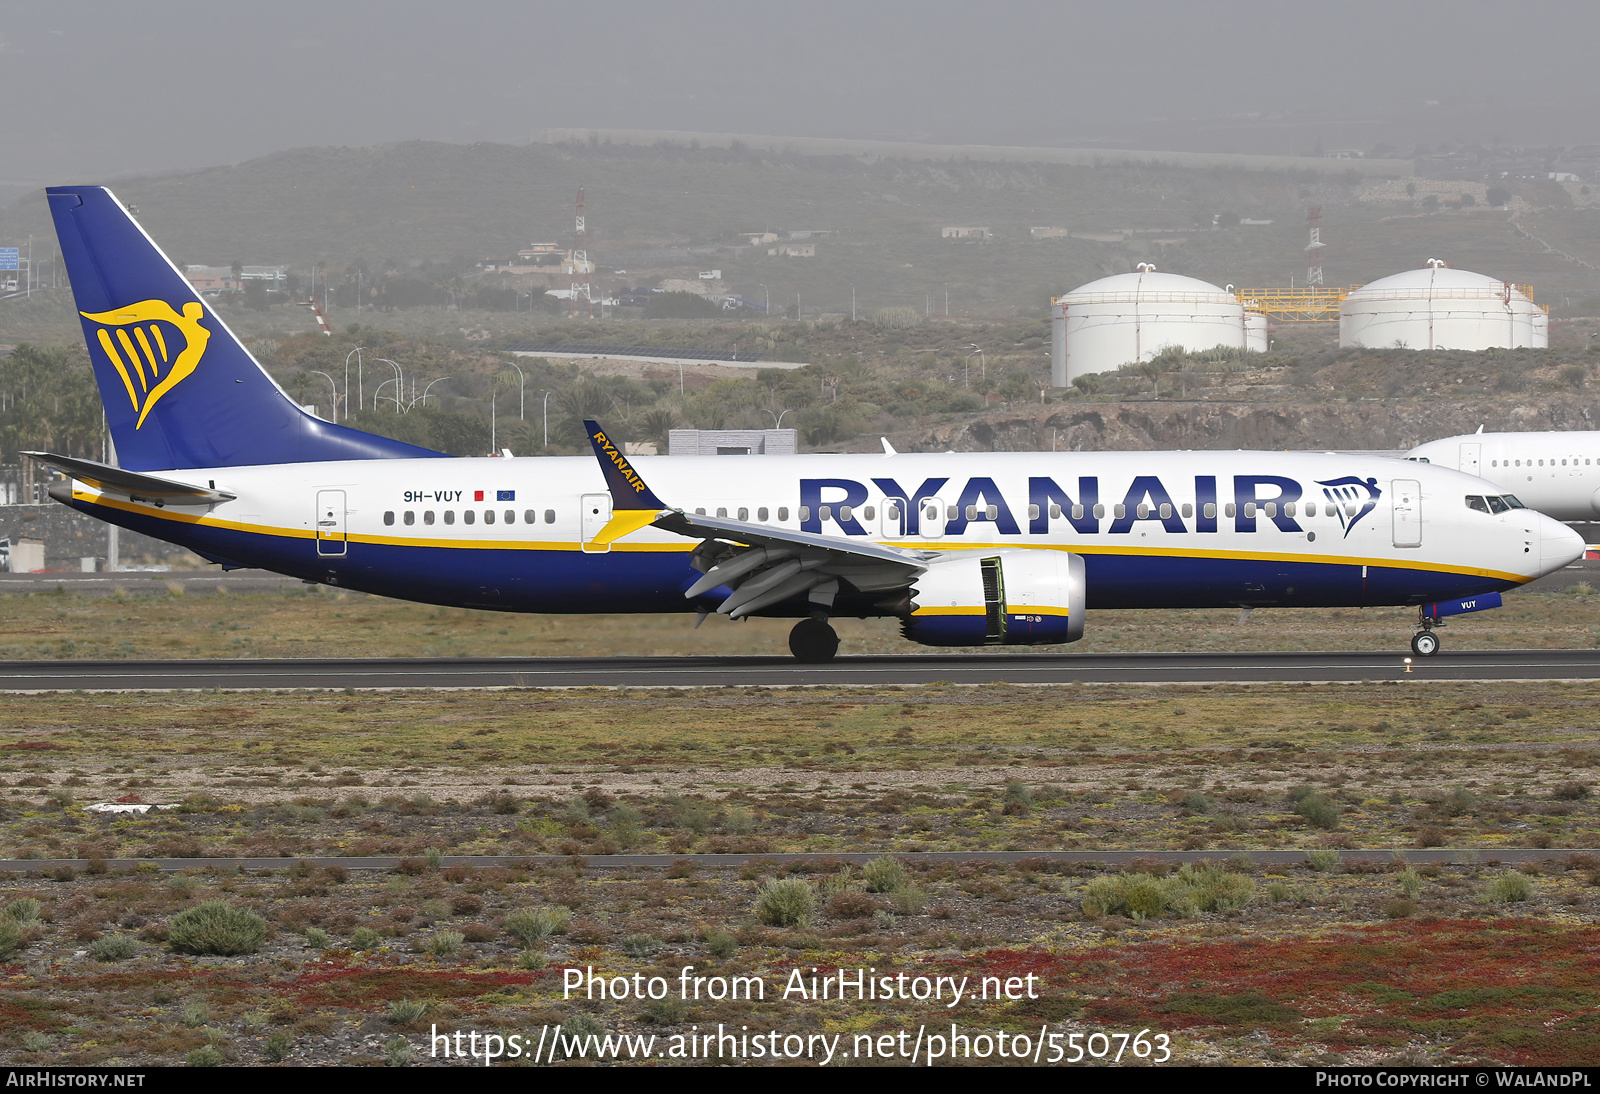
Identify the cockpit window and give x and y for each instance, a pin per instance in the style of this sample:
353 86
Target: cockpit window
1498 505
1475 502
1511 500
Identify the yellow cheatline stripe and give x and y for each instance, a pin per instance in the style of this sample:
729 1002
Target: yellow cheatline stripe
1011 609
689 545
133 356
1194 552
116 359
391 541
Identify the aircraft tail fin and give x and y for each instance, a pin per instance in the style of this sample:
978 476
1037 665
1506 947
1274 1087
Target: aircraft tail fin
633 504
179 388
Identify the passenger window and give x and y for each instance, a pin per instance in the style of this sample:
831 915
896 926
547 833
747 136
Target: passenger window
825 512
699 512
1330 510
1077 512
844 512
1475 502
952 513
1166 511
1249 509
722 512
993 512
1120 511
488 516
1288 508
868 513
1272 509
932 513
1141 511
1100 512
528 516
449 516
1229 510
410 517
1033 512
891 511
804 513
972 512
761 514
1210 510
549 516
388 518
744 514
511 516
1055 511
467 516
1188 510
783 512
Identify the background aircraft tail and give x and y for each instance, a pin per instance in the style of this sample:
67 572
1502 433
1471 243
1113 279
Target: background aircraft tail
179 389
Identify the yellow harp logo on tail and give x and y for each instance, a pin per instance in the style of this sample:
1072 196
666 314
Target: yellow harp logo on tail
136 339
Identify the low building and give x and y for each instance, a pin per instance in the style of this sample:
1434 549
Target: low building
954 231
794 250
221 278
732 442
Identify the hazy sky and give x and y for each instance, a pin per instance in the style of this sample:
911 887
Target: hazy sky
98 90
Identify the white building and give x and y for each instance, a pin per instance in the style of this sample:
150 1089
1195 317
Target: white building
1128 318
1440 308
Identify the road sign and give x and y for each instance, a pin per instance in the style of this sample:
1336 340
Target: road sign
10 258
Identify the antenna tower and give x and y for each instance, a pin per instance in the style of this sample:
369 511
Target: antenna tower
1315 248
580 264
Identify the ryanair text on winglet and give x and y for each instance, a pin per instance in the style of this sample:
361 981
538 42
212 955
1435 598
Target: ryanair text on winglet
622 464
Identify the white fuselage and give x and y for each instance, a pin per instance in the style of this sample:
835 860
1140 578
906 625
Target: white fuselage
1555 472
1156 529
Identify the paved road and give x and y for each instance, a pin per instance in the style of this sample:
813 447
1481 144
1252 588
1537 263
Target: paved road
554 672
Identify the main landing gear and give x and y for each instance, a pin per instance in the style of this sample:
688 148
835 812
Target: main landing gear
1425 643
813 641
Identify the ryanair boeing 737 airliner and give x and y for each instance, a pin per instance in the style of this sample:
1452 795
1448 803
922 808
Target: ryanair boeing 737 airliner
965 549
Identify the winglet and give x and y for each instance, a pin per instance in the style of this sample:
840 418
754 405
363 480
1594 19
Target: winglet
633 504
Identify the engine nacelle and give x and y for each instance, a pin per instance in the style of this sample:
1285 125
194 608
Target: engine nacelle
1000 598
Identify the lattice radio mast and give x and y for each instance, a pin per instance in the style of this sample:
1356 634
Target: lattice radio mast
580 264
1315 248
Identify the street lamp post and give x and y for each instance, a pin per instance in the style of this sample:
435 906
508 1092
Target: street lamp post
547 419
335 387
766 307
400 384
424 399
356 353
522 391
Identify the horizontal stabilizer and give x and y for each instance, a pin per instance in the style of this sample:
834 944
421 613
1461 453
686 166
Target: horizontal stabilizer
139 487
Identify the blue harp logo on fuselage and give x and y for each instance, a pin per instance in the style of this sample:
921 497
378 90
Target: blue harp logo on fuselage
152 346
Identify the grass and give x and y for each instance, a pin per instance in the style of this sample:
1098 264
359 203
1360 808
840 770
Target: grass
333 624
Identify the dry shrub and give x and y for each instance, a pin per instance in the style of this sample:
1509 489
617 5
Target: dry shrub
217 927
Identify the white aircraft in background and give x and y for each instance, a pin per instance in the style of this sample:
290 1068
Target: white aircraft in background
1556 472
964 549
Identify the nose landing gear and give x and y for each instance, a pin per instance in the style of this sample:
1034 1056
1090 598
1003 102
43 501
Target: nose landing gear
1425 643
813 641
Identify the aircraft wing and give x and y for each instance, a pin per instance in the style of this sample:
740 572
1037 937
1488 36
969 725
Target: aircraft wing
135 484
762 565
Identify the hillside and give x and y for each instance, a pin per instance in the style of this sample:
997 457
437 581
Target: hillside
431 211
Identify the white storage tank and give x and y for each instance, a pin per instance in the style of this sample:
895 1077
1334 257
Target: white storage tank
1440 308
1128 318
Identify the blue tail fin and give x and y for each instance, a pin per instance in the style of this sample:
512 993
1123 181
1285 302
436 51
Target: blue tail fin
178 387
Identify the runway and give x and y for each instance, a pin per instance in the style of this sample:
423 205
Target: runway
683 672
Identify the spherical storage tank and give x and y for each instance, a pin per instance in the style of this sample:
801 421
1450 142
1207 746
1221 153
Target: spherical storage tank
1128 318
1440 308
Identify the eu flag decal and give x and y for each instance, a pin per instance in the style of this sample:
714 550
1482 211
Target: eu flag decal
505 495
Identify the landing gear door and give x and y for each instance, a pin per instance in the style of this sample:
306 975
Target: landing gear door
330 524
1471 458
1406 495
596 515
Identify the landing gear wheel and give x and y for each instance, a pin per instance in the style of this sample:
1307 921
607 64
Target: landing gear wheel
1424 643
813 641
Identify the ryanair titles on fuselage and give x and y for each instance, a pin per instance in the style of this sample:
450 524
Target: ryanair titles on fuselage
1237 502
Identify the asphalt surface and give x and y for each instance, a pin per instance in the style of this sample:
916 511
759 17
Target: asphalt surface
1150 668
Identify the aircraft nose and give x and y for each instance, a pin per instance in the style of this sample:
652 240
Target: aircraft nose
1559 545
